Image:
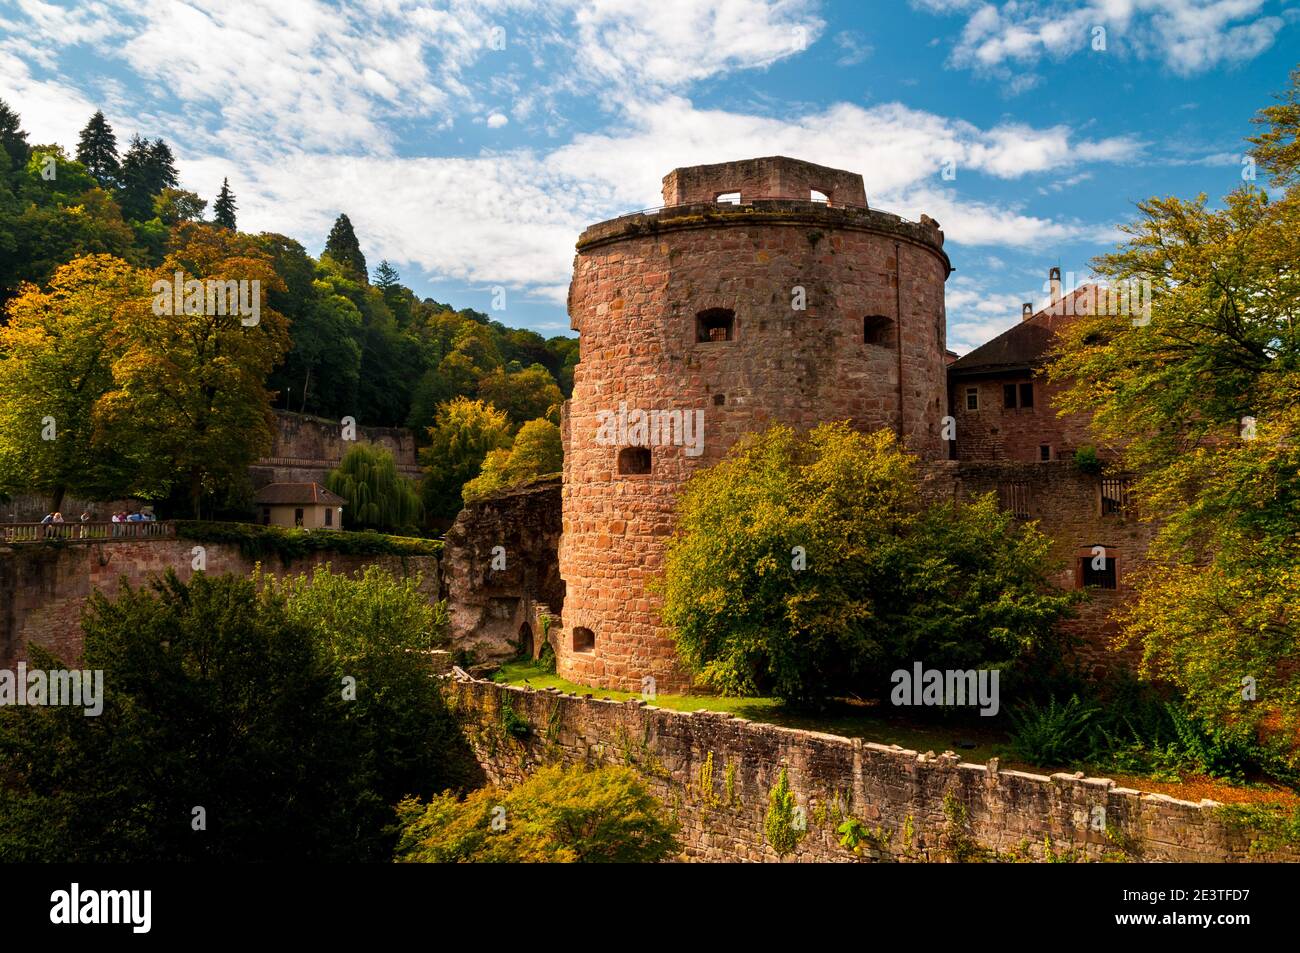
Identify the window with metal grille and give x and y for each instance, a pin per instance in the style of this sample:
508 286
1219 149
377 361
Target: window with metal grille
1115 496
1014 495
715 324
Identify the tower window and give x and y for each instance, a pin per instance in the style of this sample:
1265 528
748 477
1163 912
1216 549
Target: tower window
1044 451
728 198
822 197
876 329
972 398
1115 494
715 324
634 460
584 640
1092 577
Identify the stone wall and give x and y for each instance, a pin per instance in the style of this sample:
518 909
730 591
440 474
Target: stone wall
716 773
43 588
996 432
306 448
1066 505
496 612
768 178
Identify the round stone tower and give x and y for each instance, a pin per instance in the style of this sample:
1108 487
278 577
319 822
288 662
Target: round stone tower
765 291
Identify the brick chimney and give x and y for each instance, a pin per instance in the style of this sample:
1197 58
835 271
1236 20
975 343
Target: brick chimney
1054 279
1027 311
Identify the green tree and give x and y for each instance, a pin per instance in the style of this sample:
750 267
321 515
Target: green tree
375 631
224 208
378 496
1202 395
97 151
173 206
461 438
810 566
212 699
558 815
342 246
524 395
386 276
536 451
13 140
147 169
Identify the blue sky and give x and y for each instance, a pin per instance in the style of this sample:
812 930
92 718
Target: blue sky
470 142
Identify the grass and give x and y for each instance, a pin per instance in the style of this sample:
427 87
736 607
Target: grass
846 718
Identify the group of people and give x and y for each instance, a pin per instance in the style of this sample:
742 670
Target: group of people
133 516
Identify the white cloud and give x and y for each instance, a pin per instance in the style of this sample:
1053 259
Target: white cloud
497 120
1189 36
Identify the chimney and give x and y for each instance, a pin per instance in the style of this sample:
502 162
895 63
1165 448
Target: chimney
1054 279
1027 311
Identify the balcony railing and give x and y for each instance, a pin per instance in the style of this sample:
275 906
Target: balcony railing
89 532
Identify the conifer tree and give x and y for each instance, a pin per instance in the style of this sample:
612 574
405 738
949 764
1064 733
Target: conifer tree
12 138
343 247
386 276
97 150
223 210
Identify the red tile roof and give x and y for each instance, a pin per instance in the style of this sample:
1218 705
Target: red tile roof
280 494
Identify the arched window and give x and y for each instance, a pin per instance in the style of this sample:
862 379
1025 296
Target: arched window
878 330
820 197
715 324
728 198
584 640
634 460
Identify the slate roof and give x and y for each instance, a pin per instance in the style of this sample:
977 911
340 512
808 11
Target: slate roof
1023 346
283 494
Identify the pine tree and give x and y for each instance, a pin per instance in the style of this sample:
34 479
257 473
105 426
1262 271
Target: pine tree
12 138
386 276
224 208
163 166
97 150
343 247
147 169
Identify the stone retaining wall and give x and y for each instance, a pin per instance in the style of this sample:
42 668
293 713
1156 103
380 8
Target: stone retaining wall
716 772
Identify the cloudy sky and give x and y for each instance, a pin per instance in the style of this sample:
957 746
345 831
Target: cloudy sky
470 142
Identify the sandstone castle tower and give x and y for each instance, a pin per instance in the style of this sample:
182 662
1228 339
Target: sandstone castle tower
764 291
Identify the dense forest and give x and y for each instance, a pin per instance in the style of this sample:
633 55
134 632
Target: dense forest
341 339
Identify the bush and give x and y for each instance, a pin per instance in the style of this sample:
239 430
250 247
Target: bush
807 567
218 696
1057 734
259 542
1087 461
558 815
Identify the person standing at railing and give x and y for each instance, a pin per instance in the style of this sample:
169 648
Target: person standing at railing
85 518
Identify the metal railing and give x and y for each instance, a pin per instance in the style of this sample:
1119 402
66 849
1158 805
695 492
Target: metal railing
89 532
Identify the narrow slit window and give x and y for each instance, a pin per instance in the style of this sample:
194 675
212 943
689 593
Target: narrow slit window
1044 451
714 325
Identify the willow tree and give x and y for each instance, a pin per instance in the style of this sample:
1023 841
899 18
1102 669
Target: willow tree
378 496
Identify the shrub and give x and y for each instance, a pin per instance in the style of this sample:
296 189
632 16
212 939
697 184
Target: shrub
558 815
779 825
1056 734
809 566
